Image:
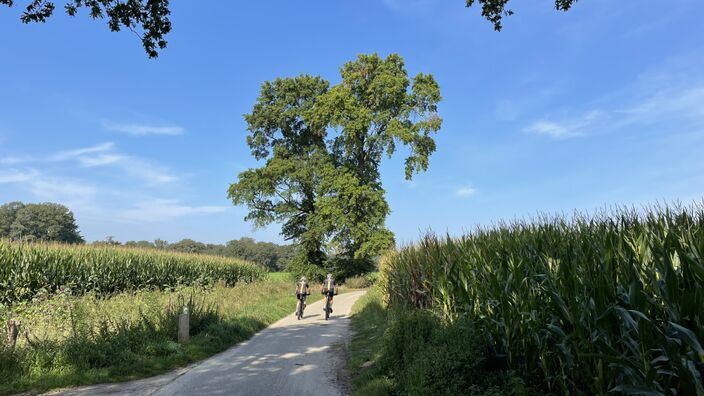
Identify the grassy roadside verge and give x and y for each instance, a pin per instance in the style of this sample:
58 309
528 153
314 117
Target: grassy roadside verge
86 340
368 324
281 277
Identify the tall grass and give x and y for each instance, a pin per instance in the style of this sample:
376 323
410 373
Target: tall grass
27 268
588 305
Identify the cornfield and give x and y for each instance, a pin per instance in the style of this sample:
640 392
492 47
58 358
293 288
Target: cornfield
27 268
611 303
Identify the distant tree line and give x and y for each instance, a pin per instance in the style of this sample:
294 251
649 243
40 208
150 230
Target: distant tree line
52 222
273 256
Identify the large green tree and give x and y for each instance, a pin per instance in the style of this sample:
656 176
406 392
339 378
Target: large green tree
38 222
149 19
322 147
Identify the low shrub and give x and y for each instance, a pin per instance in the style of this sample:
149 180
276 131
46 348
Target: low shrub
357 282
362 281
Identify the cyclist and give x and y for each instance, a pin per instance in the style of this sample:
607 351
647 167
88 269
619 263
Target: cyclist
302 291
328 289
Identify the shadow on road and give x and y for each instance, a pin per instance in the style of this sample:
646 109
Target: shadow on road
294 359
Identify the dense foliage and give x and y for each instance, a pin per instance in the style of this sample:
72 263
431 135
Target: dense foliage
26 269
275 257
322 148
38 222
612 303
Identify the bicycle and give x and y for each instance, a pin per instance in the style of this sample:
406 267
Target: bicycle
328 297
301 305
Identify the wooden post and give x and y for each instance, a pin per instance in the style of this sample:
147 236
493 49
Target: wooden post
13 330
184 325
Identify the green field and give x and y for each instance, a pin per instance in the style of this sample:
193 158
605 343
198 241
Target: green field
281 277
30 268
588 305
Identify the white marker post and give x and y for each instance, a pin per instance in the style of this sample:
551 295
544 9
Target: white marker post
184 325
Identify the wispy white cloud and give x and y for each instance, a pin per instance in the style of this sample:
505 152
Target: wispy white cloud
135 167
77 153
682 102
64 155
61 189
142 129
551 129
465 192
670 98
17 176
103 155
565 129
13 160
146 171
138 168
160 210
101 160
103 202
45 187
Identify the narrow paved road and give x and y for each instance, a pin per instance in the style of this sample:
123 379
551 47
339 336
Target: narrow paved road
294 357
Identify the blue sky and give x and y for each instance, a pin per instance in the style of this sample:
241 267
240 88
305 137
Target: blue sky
598 106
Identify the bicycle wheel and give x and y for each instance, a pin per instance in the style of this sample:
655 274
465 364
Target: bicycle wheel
299 310
327 308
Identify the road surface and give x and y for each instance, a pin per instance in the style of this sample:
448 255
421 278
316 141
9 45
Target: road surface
294 357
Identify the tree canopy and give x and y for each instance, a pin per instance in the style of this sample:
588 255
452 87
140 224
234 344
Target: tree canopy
495 10
149 19
322 147
38 222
